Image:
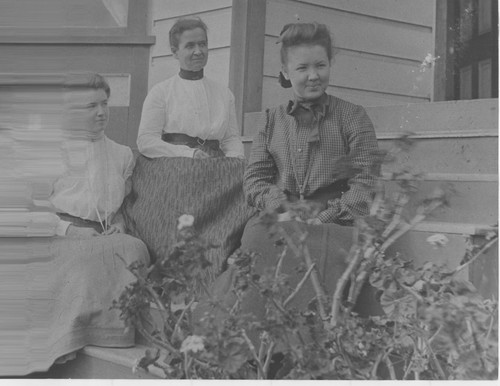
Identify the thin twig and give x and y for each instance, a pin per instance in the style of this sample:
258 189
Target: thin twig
177 325
280 262
408 226
435 361
307 257
269 355
320 294
261 373
436 333
153 293
276 304
339 289
373 373
396 219
414 293
476 256
299 285
155 341
390 366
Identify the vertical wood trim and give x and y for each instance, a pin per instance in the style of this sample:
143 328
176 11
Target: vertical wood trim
445 36
137 22
247 55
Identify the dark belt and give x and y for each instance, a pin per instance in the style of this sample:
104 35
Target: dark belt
322 195
193 142
82 223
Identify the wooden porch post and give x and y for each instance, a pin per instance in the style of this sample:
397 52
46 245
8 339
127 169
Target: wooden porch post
247 55
444 82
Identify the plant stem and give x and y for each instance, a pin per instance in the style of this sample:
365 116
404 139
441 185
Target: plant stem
435 361
155 341
269 355
299 285
396 219
472 259
339 289
280 262
419 217
307 258
177 325
390 366
153 293
410 290
260 370
373 373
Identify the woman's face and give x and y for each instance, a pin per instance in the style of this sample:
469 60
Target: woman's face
192 53
88 110
308 69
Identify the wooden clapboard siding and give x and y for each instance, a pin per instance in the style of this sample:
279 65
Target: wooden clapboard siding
408 11
380 48
273 94
349 64
215 13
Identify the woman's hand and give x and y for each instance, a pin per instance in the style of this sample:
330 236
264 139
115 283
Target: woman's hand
114 228
198 153
80 232
314 221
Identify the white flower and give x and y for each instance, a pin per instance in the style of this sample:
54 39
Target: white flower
192 343
135 367
429 60
438 240
186 220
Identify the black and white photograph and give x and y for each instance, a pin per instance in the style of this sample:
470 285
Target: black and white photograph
248 190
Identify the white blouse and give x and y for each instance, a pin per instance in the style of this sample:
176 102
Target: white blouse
93 186
199 108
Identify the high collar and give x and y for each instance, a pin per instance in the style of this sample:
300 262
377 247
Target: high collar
310 112
317 106
191 75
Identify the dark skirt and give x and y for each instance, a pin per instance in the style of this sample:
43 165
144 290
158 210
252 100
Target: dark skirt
328 245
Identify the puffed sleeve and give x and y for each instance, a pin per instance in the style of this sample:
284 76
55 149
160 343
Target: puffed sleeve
153 121
362 144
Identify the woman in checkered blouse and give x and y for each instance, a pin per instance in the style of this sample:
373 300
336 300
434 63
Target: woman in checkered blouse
316 148
301 147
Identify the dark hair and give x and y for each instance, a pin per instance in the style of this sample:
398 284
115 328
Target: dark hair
87 80
182 25
295 34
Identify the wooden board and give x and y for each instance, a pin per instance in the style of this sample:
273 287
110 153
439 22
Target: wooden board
362 71
407 11
354 31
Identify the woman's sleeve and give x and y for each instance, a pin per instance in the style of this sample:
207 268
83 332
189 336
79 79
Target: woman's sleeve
259 181
231 143
129 169
362 144
153 120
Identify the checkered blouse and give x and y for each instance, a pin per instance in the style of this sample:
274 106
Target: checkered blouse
296 148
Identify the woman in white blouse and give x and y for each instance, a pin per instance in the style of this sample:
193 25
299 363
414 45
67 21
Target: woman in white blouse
189 115
88 195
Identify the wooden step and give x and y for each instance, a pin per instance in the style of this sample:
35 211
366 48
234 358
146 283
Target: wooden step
94 362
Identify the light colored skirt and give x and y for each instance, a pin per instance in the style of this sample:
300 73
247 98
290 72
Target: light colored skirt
56 294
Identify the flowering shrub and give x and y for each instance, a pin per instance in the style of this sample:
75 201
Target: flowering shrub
435 325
